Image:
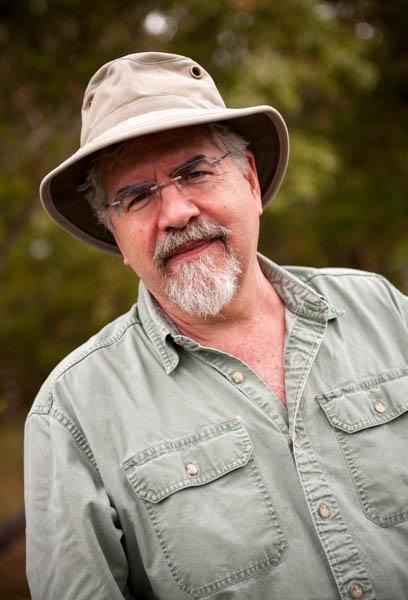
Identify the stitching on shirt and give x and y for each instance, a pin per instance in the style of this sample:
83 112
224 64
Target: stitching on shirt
361 488
343 273
316 487
158 328
215 362
77 434
365 386
90 350
77 356
390 289
366 423
346 439
254 567
169 446
298 297
41 408
140 484
154 335
362 385
314 349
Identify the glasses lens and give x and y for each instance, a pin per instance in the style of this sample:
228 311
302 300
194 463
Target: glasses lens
199 173
135 197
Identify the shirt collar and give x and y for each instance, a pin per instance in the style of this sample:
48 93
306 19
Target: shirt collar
159 328
297 296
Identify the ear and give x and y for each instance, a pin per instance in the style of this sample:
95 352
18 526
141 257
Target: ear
124 257
253 181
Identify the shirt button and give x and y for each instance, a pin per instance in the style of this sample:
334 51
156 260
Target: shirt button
380 408
324 510
237 377
356 591
191 469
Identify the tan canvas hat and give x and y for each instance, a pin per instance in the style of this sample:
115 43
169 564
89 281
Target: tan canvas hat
145 93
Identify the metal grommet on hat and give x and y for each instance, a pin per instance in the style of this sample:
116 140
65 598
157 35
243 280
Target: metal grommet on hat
196 71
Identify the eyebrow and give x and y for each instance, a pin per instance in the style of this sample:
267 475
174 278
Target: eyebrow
187 162
127 188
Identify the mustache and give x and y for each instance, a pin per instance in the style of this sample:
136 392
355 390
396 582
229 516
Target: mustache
194 231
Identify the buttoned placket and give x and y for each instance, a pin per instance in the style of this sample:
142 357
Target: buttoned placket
301 348
347 568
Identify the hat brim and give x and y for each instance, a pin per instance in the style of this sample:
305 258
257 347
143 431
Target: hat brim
262 126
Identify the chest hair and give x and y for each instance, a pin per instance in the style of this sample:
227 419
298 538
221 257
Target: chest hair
261 347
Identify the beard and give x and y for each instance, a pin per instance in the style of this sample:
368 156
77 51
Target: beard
200 286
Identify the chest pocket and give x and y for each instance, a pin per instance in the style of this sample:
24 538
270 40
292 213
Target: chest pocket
213 516
371 422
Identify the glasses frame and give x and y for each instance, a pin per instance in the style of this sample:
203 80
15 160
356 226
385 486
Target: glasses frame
156 187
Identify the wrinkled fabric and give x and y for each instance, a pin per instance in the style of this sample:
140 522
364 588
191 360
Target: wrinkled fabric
160 469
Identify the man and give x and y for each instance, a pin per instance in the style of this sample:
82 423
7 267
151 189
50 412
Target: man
241 432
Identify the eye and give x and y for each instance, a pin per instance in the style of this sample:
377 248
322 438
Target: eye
194 174
137 197
196 171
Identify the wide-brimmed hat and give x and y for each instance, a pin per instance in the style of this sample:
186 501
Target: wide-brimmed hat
146 93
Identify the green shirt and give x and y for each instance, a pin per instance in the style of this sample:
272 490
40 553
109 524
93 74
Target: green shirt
157 468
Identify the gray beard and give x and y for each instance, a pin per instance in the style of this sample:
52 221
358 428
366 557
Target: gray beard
199 286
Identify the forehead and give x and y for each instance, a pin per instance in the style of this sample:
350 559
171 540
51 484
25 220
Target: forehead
165 150
175 138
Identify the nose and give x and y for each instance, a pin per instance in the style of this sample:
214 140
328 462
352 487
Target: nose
176 209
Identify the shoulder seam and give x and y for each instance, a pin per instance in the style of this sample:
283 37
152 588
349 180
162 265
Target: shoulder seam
88 351
75 432
351 273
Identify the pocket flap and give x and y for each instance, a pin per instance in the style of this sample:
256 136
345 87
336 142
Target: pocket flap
369 403
193 460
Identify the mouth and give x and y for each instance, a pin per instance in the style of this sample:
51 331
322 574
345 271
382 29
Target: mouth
190 249
185 244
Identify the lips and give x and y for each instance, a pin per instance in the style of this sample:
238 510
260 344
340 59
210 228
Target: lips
190 248
190 245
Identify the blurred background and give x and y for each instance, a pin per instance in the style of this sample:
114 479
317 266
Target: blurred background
336 70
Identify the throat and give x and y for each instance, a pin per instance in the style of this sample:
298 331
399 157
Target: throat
259 344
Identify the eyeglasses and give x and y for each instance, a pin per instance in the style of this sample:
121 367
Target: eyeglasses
194 177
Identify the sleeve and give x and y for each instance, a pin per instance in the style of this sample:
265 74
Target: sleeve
74 541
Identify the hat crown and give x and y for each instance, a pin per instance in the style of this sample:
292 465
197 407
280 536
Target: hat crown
137 84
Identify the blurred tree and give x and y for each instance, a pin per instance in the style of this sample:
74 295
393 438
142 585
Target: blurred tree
336 70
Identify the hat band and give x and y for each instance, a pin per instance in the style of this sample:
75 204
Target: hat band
141 108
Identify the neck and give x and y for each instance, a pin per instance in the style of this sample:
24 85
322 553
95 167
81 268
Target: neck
254 298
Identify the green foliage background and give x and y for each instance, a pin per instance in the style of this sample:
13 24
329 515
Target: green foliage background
337 71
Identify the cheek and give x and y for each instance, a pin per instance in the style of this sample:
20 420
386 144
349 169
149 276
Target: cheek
132 242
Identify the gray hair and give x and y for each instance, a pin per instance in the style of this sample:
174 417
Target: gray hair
227 140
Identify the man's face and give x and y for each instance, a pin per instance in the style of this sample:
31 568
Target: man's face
182 241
